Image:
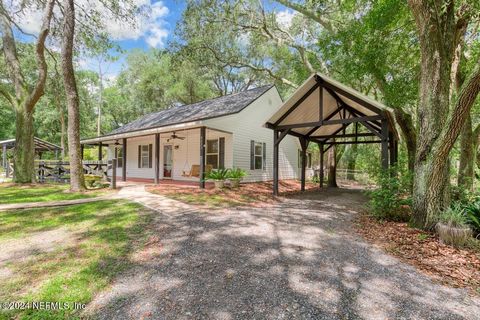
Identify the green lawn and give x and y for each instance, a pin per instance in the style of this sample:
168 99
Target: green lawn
12 193
72 253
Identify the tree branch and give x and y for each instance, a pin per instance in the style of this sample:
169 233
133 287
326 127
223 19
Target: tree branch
4 92
239 64
11 55
309 13
464 103
39 88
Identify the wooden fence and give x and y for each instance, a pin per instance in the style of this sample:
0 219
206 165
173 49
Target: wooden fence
59 171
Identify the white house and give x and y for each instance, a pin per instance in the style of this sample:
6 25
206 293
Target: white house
182 142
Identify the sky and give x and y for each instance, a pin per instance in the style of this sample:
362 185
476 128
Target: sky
156 31
153 30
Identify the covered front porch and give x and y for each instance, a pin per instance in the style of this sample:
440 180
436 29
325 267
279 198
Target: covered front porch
171 154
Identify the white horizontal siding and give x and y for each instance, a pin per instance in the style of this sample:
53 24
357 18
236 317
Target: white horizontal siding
247 125
186 153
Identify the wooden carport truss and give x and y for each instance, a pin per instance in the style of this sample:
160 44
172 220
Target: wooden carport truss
320 111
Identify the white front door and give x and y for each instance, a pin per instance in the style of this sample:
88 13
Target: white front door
167 161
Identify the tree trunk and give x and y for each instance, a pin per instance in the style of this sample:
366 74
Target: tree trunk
431 171
77 182
62 133
24 152
26 96
100 101
352 156
332 168
467 158
61 116
440 29
405 122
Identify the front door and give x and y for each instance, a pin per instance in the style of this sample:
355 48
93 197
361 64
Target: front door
167 161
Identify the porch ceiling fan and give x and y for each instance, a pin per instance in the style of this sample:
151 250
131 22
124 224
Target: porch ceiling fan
174 136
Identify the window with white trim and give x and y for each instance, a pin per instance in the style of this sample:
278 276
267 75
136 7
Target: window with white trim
144 157
119 157
212 153
258 155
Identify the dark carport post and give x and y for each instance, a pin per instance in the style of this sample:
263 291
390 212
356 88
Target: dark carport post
321 173
203 131
384 144
275 162
124 159
304 145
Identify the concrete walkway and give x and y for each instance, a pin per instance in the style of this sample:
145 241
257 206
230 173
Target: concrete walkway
155 202
132 192
46 204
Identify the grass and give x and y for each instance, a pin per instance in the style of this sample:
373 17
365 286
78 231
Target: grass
95 243
12 193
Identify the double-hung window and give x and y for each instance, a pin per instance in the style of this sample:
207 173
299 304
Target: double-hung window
119 156
212 153
145 156
257 155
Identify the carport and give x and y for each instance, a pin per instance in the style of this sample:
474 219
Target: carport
320 111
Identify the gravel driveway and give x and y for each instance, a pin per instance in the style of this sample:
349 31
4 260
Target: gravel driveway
298 260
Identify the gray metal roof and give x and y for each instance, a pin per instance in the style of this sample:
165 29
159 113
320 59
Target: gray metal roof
212 108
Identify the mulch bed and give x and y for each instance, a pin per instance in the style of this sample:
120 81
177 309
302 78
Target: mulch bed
255 194
446 264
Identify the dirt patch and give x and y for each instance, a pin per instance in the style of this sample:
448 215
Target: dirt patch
150 250
258 194
39 242
449 265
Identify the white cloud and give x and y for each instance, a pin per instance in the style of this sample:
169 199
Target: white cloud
285 17
149 23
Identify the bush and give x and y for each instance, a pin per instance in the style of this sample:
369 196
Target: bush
315 179
218 174
472 215
91 180
452 226
453 216
389 199
236 174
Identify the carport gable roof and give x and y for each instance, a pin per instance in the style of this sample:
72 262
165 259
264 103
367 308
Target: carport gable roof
212 108
323 107
40 145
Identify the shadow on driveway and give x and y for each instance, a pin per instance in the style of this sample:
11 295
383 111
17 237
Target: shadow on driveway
296 260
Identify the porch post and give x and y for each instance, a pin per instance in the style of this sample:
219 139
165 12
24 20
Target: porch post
202 157
113 183
304 145
322 152
157 156
384 156
82 149
124 159
100 155
275 162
